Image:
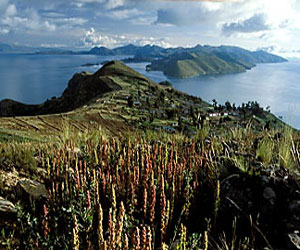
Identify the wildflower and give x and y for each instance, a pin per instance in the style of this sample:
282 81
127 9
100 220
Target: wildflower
120 224
136 239
100 226
75 234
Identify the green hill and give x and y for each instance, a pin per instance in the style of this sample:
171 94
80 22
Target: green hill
137 165
191 64
209 60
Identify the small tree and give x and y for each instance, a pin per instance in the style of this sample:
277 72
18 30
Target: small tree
228 106
233 107
130 101
214 103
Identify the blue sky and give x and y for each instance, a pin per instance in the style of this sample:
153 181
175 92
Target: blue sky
82 24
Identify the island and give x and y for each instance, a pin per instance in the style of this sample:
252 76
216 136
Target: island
209 60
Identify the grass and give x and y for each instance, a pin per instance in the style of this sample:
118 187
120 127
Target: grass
265 150
284 150
142 189
18 155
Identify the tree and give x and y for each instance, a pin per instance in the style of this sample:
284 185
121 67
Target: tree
171 113
228 106
130 101
214 103
162 96
233 107
151 118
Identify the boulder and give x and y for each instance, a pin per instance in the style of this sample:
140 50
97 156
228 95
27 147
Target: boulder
35 190
6 207
295 239
269 195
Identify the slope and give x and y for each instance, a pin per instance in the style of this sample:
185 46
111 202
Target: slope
209 60
117 99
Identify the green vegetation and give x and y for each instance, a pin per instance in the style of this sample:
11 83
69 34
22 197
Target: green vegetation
208 60
147 189
193 64
145 166
18 155
265 150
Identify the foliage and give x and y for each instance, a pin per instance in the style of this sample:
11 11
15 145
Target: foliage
143 190
265 150
18 155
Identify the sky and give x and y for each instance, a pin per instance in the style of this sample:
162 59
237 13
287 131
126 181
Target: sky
273 25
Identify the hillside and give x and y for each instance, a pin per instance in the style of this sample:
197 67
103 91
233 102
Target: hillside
187 65
138 165
211 61
82 88
116 93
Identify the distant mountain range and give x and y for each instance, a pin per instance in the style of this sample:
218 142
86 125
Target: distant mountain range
19 49
6 48
173 62
190 62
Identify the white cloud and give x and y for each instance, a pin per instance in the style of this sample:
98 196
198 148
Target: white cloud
181 14
212 6
111 4
3 4
124 13
108 4
28 21
154 41
4 31
93 39
11 10
253 24
248 23
53 14
69 22
49 26
52 45
143 20
34 22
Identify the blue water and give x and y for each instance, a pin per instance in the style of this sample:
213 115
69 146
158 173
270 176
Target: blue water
34 78
274 85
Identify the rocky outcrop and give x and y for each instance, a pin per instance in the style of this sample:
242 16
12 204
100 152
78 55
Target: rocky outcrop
12 108
27 189
271 199
83 87
19 188
7 208
8 215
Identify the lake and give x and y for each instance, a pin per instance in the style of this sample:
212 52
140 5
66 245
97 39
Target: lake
34 78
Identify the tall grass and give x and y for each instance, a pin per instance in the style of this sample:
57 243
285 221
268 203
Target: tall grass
265 150
142 191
